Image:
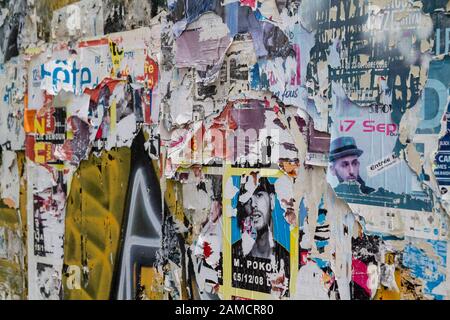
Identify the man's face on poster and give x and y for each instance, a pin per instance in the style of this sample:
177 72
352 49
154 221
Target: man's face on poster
346 168
259 209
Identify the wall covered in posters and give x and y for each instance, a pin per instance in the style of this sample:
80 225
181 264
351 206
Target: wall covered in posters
206 150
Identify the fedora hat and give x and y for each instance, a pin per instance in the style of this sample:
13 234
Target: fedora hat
343 147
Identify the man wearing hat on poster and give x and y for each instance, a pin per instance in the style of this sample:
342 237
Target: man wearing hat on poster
344 162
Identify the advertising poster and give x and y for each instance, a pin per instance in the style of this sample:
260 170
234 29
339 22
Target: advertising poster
49 133
260 255
365 171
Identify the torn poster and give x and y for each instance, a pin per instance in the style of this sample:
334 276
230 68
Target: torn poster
366 171
260 236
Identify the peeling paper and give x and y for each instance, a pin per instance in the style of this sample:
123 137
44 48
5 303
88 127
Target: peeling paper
12 93
283 188
81 19
46 215
126 130
195 50
310 284
9 184
309 132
